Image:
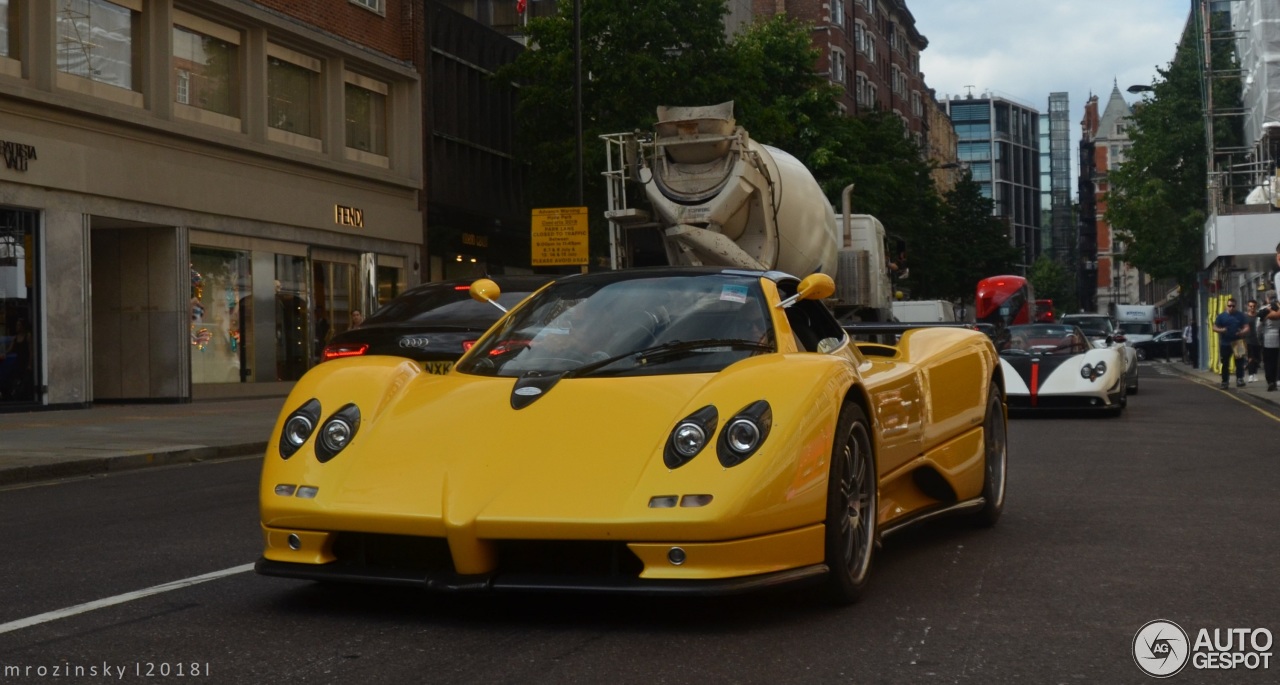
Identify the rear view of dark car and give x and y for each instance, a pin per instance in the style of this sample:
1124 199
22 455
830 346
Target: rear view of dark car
433 323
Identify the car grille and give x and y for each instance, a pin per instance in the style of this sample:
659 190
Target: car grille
405 553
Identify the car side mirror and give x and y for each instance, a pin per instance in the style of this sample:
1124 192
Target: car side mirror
815 286
485 290
1118 338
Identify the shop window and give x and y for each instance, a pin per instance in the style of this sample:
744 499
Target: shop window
19 330
334 286
366 114
221 311
294 94
96 41
9 29
292 319
390 283
206 65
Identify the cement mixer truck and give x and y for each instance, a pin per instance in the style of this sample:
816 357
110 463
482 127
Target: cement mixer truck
714 196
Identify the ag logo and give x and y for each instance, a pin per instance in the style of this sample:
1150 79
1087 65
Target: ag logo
1161 648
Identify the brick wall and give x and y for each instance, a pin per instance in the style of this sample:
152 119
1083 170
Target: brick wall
390 34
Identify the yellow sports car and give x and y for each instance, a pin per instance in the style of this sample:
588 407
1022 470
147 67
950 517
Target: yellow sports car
673 430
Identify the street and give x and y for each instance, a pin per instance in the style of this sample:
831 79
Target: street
1167 512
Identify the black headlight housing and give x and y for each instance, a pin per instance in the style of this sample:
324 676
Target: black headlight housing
337 432
298 427
690 435
744 433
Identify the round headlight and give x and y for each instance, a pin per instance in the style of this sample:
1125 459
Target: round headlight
688 439
336 434
1100 368
742 435
297 429
1086 371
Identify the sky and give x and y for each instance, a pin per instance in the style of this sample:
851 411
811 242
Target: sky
1025 49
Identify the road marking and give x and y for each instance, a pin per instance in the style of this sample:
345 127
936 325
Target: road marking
120 599
1237 396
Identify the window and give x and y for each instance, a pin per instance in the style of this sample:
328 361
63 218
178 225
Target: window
294 103
860 38
375 5
182 89
871 48
207 56
837 65
221 311
96 40
837 12
366 114
9 28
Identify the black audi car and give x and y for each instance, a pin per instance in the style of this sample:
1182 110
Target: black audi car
433 323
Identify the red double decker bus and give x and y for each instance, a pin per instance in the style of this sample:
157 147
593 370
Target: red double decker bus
1004 301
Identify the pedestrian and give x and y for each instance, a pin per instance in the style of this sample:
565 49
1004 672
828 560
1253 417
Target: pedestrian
1252 344
1231 327
1189 344
1269 323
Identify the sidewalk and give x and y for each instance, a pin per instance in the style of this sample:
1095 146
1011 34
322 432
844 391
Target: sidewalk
42 445
1256 390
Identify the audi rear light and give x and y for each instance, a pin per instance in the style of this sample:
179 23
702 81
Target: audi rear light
467 345
339 350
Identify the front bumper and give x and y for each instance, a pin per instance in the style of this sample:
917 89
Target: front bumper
702 568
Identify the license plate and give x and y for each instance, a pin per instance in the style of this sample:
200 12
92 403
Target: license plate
437 367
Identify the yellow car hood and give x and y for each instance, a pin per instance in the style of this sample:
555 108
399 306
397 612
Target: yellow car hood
435 453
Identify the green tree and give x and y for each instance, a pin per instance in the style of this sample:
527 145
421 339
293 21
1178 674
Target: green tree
968 244
1052 281
1157 200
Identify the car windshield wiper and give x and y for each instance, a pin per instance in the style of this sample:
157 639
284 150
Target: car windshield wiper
667 349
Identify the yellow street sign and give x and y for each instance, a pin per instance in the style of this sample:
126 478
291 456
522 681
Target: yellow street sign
559 236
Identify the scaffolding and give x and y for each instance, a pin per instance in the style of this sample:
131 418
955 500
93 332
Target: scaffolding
1242 173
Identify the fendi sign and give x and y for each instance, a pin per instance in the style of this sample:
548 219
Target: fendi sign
348 216
16 155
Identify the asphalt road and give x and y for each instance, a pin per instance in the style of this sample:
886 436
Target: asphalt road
1168 512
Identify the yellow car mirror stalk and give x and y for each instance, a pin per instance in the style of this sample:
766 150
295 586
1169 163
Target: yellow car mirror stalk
816 286
485 290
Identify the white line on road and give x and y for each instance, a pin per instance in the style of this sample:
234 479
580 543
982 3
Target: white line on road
120 599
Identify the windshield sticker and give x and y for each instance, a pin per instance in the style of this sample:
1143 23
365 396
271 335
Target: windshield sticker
734 293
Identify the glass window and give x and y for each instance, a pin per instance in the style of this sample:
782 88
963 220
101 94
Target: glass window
390 283
366 115
206 72
221 307
95 41
19 348
293 93
9 28
375 5
292 317
334 287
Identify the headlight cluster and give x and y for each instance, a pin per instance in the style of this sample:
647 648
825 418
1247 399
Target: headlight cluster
335 433
742 435
1091 373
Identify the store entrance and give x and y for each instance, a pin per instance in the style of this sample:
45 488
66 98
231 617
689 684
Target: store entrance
139 312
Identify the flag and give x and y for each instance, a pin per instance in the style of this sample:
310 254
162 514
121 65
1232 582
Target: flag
520 5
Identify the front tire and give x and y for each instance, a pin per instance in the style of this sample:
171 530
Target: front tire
852 503
995 440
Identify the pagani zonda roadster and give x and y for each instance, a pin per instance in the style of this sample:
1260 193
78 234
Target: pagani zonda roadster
687 430
1055 366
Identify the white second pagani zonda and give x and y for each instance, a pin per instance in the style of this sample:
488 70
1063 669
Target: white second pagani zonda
1055 367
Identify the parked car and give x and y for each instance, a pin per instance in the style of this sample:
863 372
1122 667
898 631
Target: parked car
432 323
667 431
1056 367
1165 345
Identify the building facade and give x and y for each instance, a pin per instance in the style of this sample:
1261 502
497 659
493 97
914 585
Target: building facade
1107 138
870 49
999 141
202 192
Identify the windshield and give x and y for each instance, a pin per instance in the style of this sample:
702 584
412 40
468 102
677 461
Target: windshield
446 304
1096 325
1043 339
633 325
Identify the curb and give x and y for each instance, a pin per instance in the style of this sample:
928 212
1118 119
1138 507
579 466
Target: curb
94 466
